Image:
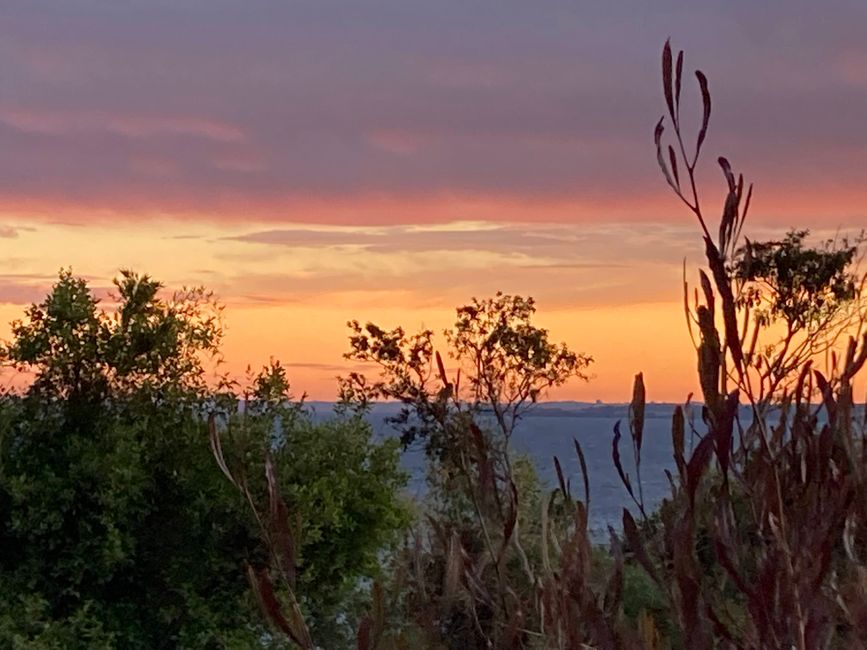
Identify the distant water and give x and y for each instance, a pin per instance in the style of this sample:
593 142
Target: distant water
542 438
546 433
549 430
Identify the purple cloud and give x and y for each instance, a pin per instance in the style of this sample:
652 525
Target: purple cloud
195 104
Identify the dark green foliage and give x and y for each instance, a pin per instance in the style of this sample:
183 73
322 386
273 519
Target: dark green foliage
347 500
325 498
117 528
804 286
339 488
112 515
147 343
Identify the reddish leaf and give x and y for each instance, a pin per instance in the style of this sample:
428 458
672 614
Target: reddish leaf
615 455
511 521
667 79
729 310
708 291
672 158
633 537
272 608
442 369
687 576
827 395
746 209
614 591
719 627
563 488
697 464
283 540
723 430
584 474
660 158
854 362
723 557
705 120
802 380
727 171
636 414
677 439
728 221
363 636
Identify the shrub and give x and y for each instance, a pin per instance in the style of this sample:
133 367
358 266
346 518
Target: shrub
116 525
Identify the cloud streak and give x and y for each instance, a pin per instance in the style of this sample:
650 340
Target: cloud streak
613 244
61 123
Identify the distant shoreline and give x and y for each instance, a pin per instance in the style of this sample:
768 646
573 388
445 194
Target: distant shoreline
578 410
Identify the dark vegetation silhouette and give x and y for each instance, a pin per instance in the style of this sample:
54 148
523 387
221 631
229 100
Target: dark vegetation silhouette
143 506
117 529
761 541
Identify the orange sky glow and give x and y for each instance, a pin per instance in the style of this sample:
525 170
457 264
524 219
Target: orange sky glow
389 163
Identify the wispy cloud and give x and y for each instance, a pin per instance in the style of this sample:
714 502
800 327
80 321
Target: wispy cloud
62 123
565 265
610 245
23 289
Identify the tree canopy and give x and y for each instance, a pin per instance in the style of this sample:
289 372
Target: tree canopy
117 527
505 364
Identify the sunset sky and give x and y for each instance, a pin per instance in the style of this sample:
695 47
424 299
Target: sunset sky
318 161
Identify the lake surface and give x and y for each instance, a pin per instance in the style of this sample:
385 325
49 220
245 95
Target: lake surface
542 436
545 437
548 431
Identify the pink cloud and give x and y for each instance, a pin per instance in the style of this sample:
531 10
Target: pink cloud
397 142
59 123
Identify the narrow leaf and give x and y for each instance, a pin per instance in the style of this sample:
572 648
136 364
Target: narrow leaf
217 449
678 427
362 637
660 158
633 537
615 455
560 478
723 433
584 474
673 160
442 370
727 171
705 120
284 547
827 395
666 78
708 291
636 413
697 464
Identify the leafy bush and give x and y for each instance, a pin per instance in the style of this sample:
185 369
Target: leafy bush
324 494
116 525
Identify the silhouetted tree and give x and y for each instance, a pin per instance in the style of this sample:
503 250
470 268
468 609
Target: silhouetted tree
505 364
